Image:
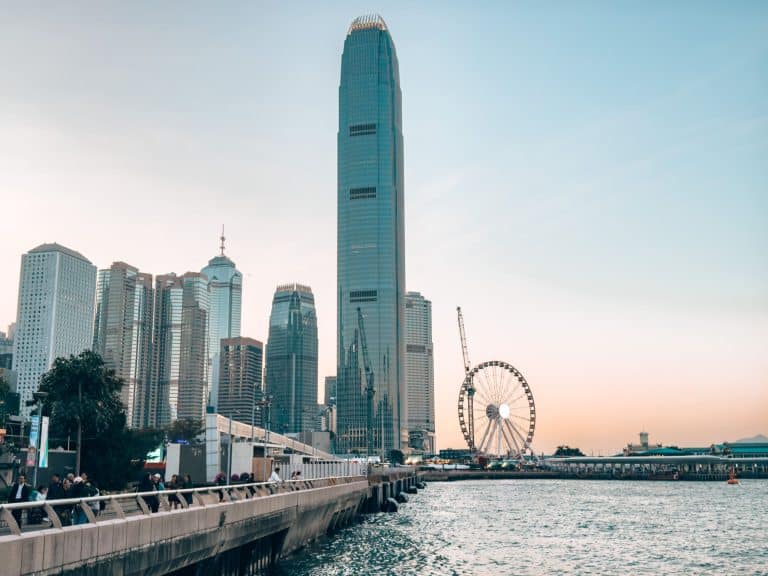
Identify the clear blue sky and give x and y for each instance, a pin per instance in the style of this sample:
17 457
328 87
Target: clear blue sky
588 180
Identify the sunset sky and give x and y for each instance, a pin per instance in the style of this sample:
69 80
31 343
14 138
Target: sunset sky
589 181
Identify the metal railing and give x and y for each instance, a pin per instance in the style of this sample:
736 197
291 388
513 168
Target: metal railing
46 514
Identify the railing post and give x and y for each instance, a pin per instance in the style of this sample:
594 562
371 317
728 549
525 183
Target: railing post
13 526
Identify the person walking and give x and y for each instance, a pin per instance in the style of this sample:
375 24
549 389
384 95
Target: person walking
188 484
78 491
173 484
89 491
146 484
275 476
19 493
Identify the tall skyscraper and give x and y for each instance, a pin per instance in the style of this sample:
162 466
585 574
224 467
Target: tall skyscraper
55 313
240 379
330 390
420 372
225 286
166 351
123 334
291 372
371 238
193 364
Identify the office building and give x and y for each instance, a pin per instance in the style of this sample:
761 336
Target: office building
419 373
123 334
240 379
193 358
291 370
371 240
225 285
55 313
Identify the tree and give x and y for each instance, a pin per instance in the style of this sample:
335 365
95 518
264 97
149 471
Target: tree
83 400
188 430
565 451
396 456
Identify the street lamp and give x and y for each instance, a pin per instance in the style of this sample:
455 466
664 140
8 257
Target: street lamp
265 403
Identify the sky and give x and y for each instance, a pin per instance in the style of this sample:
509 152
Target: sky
588 180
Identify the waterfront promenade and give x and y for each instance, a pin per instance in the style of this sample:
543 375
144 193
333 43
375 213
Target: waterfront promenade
226 530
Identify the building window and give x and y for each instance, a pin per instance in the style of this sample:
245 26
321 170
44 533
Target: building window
363 295
362 129
362 193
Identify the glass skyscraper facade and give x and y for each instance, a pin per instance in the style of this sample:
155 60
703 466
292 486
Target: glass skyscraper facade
54 319
371 239
291 372
166 353
193 357
123 333
225 284
240 373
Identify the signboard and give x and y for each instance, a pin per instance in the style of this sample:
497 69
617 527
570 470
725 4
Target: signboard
32 450
44 443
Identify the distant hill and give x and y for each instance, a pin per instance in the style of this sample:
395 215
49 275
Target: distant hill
758 438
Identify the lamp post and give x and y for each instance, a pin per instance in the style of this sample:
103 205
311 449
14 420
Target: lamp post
265 404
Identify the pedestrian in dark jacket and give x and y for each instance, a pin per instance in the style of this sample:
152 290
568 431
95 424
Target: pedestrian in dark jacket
19 493
147 485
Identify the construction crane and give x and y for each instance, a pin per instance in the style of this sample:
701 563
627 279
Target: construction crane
369 390
467 383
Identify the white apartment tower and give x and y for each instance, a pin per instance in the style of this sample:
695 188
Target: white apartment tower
54 319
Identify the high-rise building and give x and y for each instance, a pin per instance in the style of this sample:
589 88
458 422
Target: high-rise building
6 351
193 364
123 334
166 351
291 371
420 372
225 286
55 313
371 239
240 379
330 390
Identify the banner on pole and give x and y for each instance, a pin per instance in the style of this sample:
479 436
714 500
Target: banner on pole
32 450
44 443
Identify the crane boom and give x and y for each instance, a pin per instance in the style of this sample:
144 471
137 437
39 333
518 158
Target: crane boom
462 334
369 390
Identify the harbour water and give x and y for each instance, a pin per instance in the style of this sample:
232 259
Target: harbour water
554 527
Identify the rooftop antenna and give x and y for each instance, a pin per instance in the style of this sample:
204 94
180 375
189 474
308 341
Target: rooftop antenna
222 240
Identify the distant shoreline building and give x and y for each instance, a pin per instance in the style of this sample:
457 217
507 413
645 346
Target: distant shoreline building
291 367
371 239
55 312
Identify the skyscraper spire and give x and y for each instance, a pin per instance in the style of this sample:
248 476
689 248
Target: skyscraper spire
222 239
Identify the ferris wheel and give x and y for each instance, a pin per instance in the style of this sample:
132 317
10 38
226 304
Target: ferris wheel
497 413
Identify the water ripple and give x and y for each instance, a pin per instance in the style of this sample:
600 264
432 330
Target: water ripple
533 527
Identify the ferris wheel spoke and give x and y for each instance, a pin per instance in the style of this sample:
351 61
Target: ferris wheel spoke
520 396
518 447
485 434
512 393
523 438
482 394
512 437
506 438
487 387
